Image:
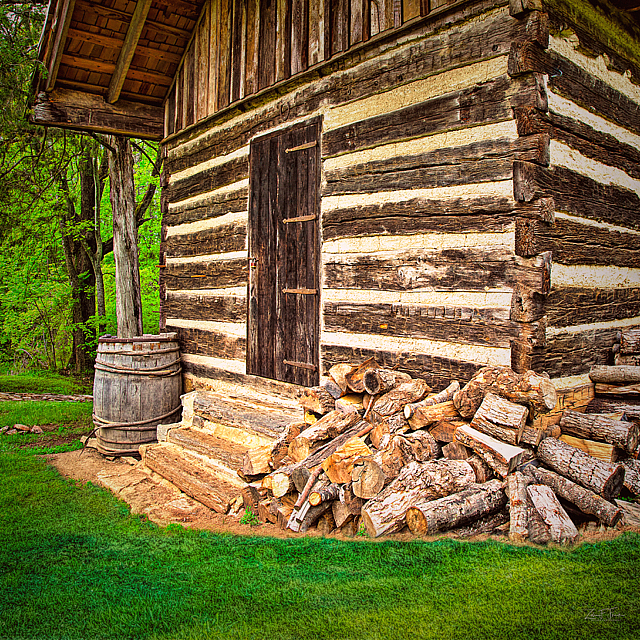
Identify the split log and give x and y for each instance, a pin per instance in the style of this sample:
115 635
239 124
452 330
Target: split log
379 381
486 524
280 449
326 523
445 430
327 428
418 481
622 375
616 432
587 501
341 513
632 476
300 476
347 506
629 340
368 478
394 401
251 497
264 513
338 374
518 510
324 494
500 418
427 416
501 457
483 471
332 388
355 377
385 428
615 390
339 465
539 530
533 436
600 450
350 403
529 388
548 506
317 400
456 451
604 478
443 396
427 517
256 461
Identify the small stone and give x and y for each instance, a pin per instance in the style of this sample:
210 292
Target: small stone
3 429
12 432
21 427
36 429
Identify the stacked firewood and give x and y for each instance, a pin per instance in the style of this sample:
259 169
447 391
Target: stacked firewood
379 451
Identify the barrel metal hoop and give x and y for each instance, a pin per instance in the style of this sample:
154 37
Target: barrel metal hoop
143 354
130 426
157 372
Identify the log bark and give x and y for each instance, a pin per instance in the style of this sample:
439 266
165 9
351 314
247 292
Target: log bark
347 506
616 375
501 457
332 388
486 524
379 381
442 396
533 436
456 451
339 465
324 494
318 400
587 501
500 418
483 471
429 415
427 517
418 481
548 506
445 430
604 478
518 510
529 388
338 374
632 476
394 401
311 515
300 476
629 340
327 428
385 428
539 530
355 377
616 432
264 512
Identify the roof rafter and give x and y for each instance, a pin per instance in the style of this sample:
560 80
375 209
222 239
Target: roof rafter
61 28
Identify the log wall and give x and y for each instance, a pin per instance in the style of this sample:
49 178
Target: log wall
593 122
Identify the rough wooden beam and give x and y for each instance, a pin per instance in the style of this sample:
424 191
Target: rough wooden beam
64 20
128 49
87 112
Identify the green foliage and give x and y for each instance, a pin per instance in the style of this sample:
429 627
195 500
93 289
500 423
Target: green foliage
250 518
43 382
77 565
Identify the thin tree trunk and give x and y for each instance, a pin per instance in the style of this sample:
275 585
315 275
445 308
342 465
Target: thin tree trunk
125 239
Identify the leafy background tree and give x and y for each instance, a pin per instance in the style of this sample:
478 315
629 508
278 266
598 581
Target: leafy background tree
57 286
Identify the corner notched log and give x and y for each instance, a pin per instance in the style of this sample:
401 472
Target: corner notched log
455 510
604 478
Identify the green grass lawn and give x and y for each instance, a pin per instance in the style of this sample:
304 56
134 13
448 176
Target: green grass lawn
43 382
75 565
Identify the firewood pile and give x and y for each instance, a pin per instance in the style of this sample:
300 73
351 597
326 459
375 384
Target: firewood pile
380 451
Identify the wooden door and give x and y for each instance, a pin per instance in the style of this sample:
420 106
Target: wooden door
284 276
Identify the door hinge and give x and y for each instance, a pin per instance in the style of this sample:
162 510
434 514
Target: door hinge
301 365
302 147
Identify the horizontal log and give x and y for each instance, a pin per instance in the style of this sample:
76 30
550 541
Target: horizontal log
618 390
207 275
198 306
632 476
378 381
616 432
576 194
211 206
568 306
222 239
629 341
499 418
437 398
426 416
623 374
490 327
393 401
210 343
436 371
600 450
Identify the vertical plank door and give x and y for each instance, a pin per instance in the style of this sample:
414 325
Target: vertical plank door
283 331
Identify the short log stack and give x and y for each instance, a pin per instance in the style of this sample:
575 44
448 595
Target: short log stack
380 452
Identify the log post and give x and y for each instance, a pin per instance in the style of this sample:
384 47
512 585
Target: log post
604 478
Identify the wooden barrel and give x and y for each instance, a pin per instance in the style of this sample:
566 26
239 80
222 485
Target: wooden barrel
137 386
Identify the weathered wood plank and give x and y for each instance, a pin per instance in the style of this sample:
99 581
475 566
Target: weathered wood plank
568 306
225 16
252 47
202 64
436 371
222 239
267 57
213 206
209 343
490 327
238 49
299 36
199 306
202 275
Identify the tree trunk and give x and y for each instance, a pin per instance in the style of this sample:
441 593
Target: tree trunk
125 238
547 505
529 388
501 457
427 517
604 478
379 381
587 501
418 481
616 432
500 418
518 511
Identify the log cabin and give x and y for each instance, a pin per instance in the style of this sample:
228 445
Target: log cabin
441 184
